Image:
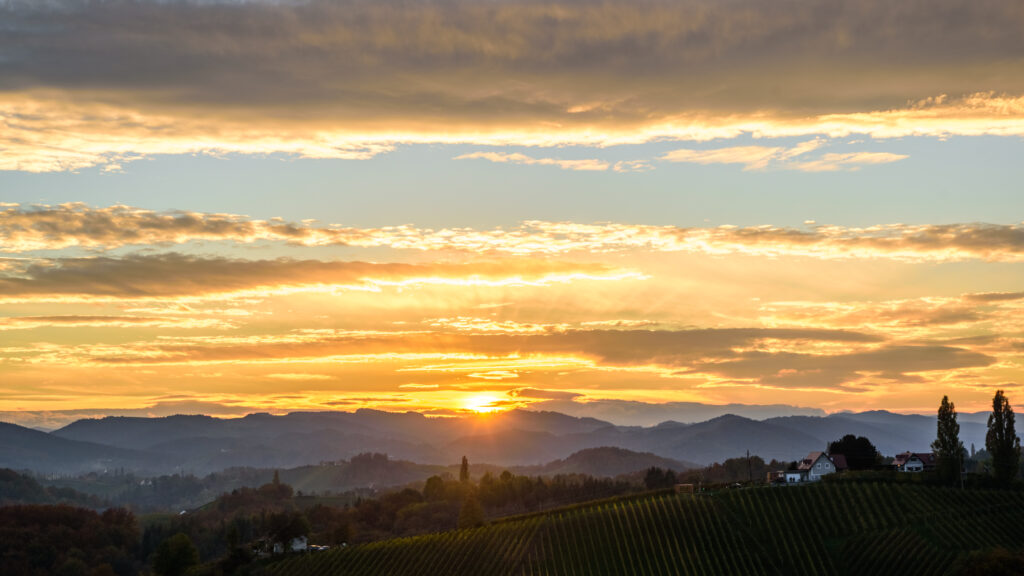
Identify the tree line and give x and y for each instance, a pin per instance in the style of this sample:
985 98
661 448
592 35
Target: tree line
1001 443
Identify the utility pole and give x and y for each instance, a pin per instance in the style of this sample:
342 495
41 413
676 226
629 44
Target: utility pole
962 467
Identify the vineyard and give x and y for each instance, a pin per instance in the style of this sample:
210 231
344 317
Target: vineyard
849 528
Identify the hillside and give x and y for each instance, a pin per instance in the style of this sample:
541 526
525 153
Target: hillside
831 528
24 448
605 461
18 488
202 444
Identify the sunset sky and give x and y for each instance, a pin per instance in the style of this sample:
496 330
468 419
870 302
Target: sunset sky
230 206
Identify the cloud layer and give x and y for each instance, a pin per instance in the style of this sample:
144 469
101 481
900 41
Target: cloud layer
77 225
178 275
84 83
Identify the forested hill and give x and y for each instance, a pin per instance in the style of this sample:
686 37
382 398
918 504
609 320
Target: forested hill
831 528
201 444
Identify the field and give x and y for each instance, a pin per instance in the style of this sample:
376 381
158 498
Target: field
842 528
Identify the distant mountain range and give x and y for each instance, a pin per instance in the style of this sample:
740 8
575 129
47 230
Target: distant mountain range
203 444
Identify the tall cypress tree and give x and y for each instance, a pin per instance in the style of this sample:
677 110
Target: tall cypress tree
464 471
1001 441
947 446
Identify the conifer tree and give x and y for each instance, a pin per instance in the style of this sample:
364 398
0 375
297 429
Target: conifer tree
464 471
947 446
1001 441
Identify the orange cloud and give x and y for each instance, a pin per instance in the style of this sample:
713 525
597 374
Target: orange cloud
30 322
177 275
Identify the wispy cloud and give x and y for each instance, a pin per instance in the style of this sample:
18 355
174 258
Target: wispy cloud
752 157
589 165
783 158
54 228
848 161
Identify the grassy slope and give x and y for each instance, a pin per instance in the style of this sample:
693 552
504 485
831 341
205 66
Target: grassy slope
824 529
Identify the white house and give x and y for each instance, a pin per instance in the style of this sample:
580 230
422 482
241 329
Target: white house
795 476
815 465
914 461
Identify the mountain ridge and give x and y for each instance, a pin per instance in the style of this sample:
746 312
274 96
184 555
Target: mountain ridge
204 444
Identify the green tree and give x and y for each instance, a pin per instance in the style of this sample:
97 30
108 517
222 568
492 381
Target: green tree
464 470
471 514
433 490
656 478
947 446
860 453
287 526
175 556
1001 441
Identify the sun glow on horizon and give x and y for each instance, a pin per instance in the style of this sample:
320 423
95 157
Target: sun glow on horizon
484 403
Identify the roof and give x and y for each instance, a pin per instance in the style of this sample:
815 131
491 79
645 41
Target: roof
808 462
839 460
926 458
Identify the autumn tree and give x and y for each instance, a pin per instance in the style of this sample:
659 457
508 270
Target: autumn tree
947 446
1001 441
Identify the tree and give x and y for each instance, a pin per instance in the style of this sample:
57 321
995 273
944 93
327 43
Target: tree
287 526
947 446
1001 441
434 489
175 555
860 453
464 471
656 478
471 514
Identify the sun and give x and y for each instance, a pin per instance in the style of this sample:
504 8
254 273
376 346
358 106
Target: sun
482 403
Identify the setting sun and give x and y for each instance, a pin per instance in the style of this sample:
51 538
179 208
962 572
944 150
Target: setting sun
483 403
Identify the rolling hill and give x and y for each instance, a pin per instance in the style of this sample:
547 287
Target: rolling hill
27 449
202 444
831 528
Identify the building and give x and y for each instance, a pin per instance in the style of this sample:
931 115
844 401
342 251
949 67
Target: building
816 465
840 461
795 476
810 469
914 461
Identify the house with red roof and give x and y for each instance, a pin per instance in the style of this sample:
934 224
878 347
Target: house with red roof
914 461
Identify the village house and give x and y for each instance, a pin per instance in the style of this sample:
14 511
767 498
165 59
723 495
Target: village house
810 469
914 461
816 465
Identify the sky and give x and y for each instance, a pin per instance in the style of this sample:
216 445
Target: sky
229 206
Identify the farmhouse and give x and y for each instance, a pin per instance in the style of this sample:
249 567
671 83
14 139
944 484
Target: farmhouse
816 465
810 469
914 461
